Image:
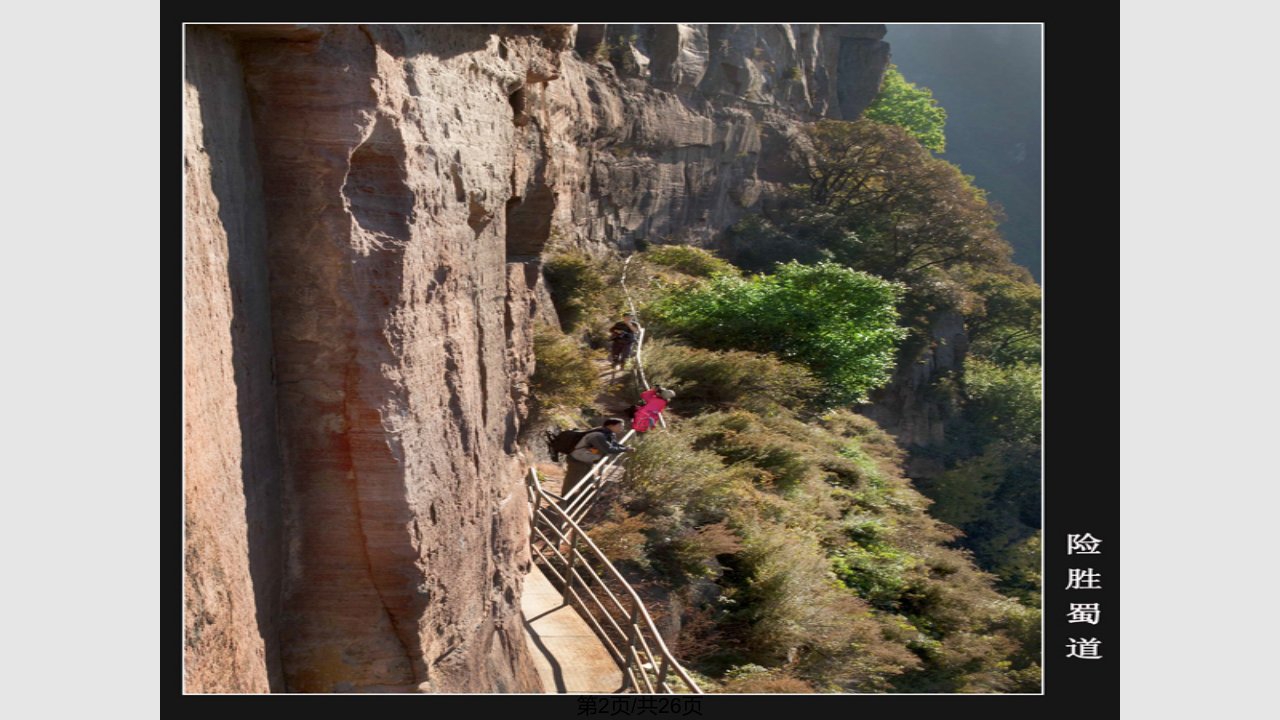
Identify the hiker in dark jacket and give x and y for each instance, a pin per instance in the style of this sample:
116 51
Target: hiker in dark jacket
622 337
596 445
627 324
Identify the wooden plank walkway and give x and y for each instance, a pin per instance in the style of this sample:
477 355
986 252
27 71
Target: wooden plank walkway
570 657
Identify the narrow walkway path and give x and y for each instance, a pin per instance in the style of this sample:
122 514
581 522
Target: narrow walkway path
610 400
570 657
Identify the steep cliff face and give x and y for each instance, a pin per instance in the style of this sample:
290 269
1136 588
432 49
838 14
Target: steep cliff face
399 336
674 132
366 211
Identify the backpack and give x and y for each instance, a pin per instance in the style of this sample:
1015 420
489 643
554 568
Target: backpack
564 442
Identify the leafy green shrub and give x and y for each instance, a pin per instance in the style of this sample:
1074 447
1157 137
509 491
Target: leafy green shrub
563 375
838 322
688 260
911 107
875 570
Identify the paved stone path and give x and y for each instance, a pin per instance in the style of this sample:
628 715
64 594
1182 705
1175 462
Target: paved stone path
569 656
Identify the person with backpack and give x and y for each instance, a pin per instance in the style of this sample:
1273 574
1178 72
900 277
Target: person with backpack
622 337
592 446
652 402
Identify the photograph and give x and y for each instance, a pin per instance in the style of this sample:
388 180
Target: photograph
613 360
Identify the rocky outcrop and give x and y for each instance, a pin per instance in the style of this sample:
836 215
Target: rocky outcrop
671 133
914 407
367 208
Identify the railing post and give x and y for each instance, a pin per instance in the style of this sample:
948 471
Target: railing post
573 557
662 670
632 626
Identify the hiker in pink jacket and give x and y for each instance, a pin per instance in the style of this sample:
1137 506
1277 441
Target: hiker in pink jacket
651 403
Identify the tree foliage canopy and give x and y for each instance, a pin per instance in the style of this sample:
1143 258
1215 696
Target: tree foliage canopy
909 106
895 209
877 201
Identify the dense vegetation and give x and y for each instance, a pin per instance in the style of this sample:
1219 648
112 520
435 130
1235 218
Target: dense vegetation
809 562
577 284
563 375
777 519
878 202
688 260
837 322
804 560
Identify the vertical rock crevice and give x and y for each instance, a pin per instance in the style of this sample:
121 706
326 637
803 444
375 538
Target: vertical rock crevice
233 554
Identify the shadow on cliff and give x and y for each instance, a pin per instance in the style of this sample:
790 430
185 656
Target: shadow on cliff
236 183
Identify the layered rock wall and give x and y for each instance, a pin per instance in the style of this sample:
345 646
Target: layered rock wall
670 133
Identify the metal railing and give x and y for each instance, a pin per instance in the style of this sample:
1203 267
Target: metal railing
579 498
638 365
605 599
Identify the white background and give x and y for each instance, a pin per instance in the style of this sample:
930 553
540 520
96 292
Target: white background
79 292
1199 358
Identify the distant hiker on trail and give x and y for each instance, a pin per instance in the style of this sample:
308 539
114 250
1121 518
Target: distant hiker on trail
652 402
622 337
595 445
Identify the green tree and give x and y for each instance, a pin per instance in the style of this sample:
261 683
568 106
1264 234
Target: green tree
838 322
880 202
992 492
909 106
1003 402
1005 328
876 200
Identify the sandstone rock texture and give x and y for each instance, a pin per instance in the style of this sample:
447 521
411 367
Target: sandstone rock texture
231 457
366 212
